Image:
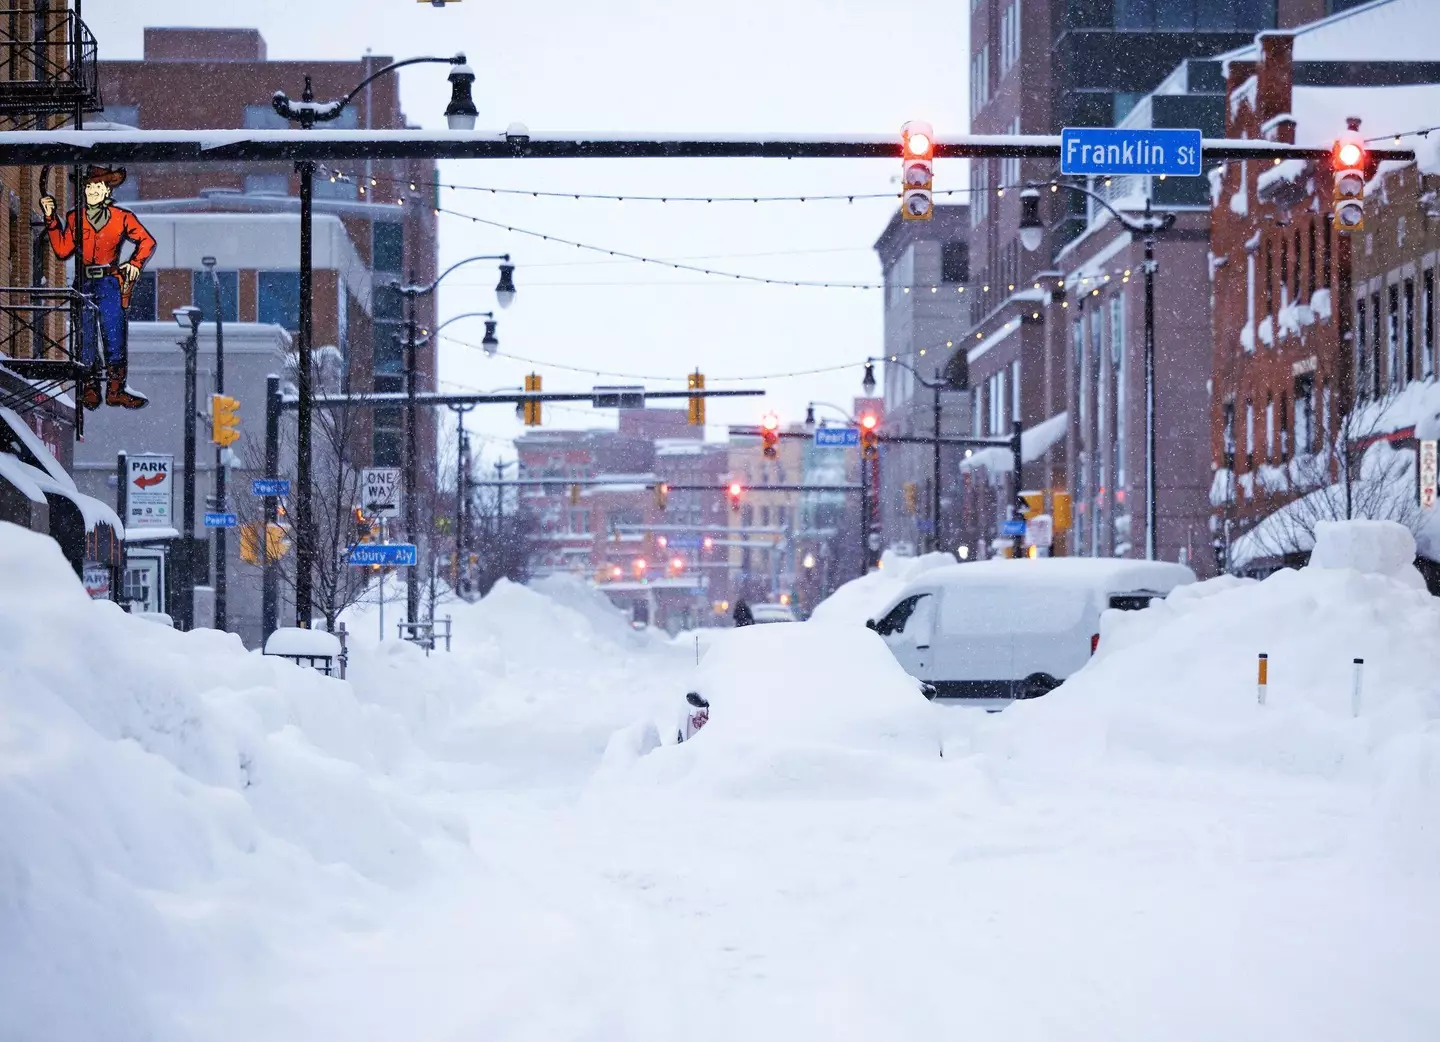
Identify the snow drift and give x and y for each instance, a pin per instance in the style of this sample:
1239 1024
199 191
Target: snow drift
859 599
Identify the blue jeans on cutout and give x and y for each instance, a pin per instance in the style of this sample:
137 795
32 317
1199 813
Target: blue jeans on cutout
106 321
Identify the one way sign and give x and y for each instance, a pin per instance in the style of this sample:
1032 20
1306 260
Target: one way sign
380 491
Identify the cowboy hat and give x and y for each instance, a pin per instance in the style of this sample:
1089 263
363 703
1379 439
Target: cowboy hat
112 176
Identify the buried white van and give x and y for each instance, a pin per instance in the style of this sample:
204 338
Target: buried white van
998 630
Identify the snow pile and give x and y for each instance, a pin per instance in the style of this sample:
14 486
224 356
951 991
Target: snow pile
166 800
1176 683
794 707
584 597
858 599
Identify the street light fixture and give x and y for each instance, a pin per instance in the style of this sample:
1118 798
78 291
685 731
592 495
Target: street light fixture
460 115
956 378
490 343
188 319
505 293
1148 227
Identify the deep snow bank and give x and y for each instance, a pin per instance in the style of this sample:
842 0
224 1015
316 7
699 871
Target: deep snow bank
163 796
1177 682
808 708
859 599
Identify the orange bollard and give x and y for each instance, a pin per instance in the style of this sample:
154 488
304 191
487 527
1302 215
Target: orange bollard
1264 673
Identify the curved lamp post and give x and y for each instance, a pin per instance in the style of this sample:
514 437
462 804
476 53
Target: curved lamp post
1032 234
504 296
460 114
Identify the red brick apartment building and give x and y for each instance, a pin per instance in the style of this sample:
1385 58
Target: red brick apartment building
1316 333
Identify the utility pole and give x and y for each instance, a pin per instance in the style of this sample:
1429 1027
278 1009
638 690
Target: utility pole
188 317
269 581
935 475
221 612
412 462
462 480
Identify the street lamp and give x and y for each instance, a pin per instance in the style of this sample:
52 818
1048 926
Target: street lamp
1148 226
460 114
505 295
956 378
188 319
490 343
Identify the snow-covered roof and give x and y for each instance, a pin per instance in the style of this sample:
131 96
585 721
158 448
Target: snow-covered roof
34 482
1386 30
1320 112
1416 405
1109 573
1034 443
993 339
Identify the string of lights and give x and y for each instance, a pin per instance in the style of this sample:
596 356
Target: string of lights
1420 132
653 376
374 181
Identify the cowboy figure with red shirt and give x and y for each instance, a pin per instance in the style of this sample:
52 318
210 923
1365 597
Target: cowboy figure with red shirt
105 280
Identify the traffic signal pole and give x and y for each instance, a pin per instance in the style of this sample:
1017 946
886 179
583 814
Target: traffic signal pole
269 584
221 610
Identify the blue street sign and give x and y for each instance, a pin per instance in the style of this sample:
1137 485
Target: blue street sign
683 542
220 520
837 437
270 487
366 554
1114 151
1014 527
925 526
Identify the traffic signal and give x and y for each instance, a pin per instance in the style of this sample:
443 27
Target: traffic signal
1034 504
917 171
1060 510
1347 161
912 497
662 493
770 431
363 526
276 544
734 493
532 408
696 382
869 436
224 419
677 565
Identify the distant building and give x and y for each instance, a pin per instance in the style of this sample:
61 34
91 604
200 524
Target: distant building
926 267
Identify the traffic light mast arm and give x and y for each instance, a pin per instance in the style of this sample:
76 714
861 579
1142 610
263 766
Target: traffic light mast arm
338 401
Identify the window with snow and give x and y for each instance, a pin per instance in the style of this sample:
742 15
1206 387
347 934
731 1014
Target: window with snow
1304 412
1249 433
1392 337
1269 428
1427 324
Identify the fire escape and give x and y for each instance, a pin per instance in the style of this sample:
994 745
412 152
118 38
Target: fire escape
49 77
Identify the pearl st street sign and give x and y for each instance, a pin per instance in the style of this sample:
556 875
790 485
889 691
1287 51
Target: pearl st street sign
1118 151
837 437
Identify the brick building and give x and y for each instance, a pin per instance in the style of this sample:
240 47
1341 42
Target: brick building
1318 335
763 532
216 78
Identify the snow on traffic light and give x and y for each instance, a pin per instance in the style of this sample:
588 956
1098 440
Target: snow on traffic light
917 171
1348 161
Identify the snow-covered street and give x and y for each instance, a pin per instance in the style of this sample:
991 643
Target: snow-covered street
205 844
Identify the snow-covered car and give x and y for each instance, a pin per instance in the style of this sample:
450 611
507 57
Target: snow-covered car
806 684
773 613
993 631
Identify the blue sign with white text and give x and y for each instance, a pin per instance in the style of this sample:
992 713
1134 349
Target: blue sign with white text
1117 151
837 437
683 542
270 487
1013 527
221 520
393 554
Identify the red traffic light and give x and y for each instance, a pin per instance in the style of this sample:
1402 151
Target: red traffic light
735 490
770 422
1349 153
919 140
869 421
677 564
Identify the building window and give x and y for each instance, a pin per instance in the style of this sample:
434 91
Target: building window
1228 427
1376 322
389 242
1269 427
1117 359
1269 278
336 189
1284 427
279 298
1310 267
955 262
1362 356
1295 285
977 410
1325 251
1284 272
1427 326
1249 434
267 184
1392 337
1409 329
388 354
1304 412
202 292
142 299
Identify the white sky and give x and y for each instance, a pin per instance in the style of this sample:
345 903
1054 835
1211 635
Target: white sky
635 65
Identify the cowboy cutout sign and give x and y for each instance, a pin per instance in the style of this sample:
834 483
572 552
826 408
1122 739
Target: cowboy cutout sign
105 280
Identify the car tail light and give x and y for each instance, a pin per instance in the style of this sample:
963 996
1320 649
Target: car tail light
1094 642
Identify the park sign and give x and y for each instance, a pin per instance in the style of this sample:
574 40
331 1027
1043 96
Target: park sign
149 492
398 555
1120 151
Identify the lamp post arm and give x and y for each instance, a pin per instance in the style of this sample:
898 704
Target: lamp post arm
927 382
420 291
454 318
309 112
1147 225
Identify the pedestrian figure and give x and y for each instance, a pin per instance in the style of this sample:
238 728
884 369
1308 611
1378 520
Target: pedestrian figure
105 280
743 616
